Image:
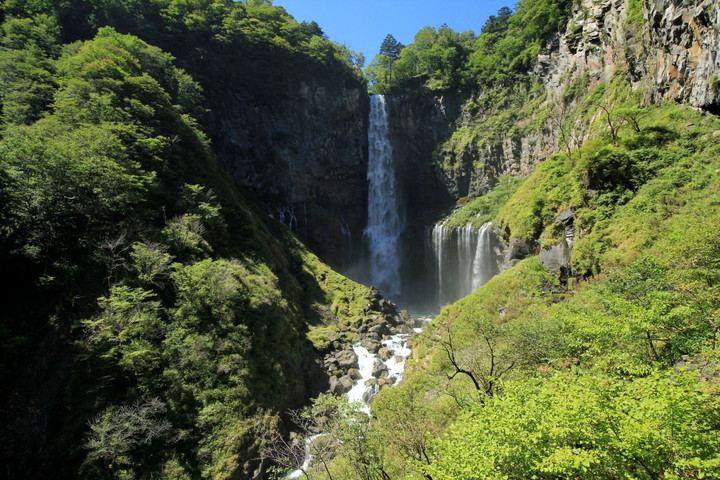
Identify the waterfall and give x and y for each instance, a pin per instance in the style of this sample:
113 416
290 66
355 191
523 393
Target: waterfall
384 225
465 259
439 252
484 264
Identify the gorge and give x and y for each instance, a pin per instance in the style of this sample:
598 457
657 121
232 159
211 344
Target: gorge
216 223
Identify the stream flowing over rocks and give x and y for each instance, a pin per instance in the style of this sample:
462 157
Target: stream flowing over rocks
369 359
371 356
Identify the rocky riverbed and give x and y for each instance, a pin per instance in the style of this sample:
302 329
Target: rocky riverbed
374 333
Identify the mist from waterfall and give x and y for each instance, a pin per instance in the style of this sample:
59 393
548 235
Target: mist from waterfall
384 226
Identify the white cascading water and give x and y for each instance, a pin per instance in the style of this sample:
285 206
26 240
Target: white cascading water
384 220
464 258
484 264
360 392
438 239
364 389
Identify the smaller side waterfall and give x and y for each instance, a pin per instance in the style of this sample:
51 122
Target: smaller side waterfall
465 259
485 262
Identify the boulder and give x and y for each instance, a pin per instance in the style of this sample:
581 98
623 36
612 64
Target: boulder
380 329
380 371
557 257
517 250
372 345
371 382
384 353
339 386
404 328
333 385
565 217
347 360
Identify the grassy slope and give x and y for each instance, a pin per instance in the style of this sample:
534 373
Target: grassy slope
645 206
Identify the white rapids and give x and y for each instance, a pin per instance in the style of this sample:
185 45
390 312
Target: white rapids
366 387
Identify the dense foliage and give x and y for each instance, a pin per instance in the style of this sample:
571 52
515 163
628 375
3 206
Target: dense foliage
154 326
188 28
158 325
497 59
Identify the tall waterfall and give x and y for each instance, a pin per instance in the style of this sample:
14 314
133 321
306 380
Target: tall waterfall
465 260
384 220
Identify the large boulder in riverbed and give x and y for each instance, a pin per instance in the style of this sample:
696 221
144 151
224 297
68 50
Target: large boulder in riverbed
380 329
340 386
384 353
380 370
347 360
371 344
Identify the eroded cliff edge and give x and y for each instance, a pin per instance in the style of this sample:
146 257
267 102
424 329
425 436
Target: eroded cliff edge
667 49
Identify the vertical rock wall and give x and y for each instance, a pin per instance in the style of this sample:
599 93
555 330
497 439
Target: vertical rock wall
683 38
304 154
420 121
667 48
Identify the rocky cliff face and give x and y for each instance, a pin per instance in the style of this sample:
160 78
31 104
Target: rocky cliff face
670 48
421 120
304 154
684 63
667 48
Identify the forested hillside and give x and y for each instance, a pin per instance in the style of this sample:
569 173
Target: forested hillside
159 320
154 319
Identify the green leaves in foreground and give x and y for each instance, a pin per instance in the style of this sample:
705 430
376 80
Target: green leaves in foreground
573 425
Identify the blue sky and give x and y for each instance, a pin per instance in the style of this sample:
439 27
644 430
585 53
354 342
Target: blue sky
363 24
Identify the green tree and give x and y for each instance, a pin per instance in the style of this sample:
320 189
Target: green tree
408 435
27 84
391 48
67 188
497 24
118 434
575 425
